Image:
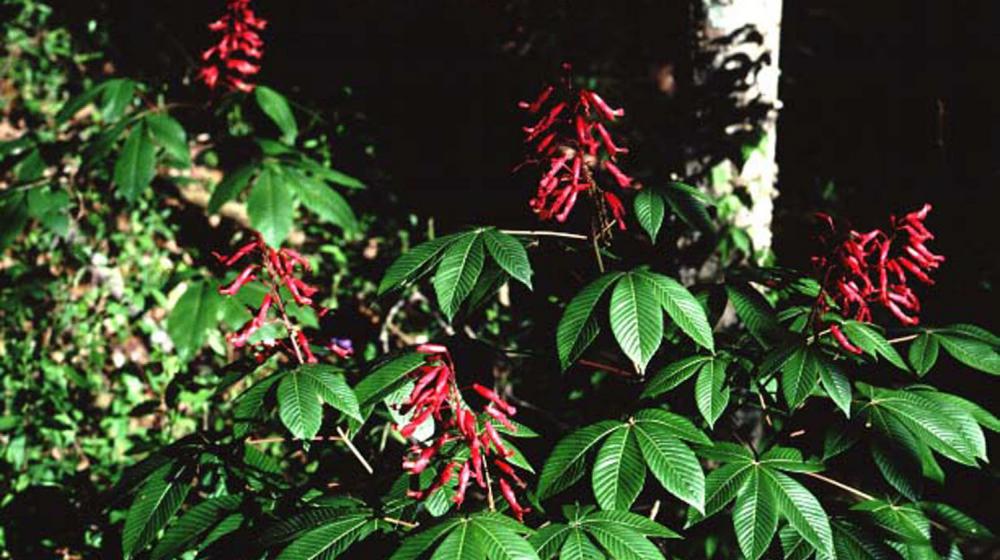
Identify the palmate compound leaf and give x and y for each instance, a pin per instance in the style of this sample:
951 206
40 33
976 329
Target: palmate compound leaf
672 375
567 462
710 390
683 308
636 319
332 388
631 521
410 264
977 352
548 540
650 210
458 271
754 311
801 508
755 515
621 542
619 471
330 540
672 463
155 503
578 546
501 537
183 533
721 487
578 326
509 253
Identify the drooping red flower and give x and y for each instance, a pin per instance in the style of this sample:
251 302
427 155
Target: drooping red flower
466 442
276 270
860 269
572 144
231 61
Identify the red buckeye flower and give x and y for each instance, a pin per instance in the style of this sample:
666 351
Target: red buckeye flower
278 270
229 62
572 144
466 442
859 269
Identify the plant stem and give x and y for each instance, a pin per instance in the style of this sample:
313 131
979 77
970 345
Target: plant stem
841 485
543 233
400 522
350 445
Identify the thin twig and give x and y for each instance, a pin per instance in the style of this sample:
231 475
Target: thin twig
903 338
841 485
400 522
654 511
597 253
543 233
605 367
354 450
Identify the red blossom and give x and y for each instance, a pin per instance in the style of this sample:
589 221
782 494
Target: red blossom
436 395
229 62
860 269
564 139
277 270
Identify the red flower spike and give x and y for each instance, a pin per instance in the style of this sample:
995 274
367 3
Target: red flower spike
228 62
564 133
508 494
436 394
275 268
861 269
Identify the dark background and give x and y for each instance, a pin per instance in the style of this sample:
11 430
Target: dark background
893 102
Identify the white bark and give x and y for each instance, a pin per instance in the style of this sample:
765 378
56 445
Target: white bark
725 35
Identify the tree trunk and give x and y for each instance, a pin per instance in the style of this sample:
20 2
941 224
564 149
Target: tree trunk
735 76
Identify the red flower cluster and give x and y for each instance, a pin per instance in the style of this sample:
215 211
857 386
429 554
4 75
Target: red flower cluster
859 269
436 395
278 274
229 61
571 141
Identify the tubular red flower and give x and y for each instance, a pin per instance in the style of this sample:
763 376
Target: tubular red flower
228 62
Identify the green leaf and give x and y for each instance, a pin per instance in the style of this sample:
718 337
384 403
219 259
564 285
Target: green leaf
690 205
721 487
802 510
270 207
631 521
710 393
677 425
230 186
672 375
169 134
333 388
578 327
872 342
500 542
578 546
415 545
754 310
636 320
836 385
683 308
329 541
673 464
788 459
13 217
457 273
247 406
925 420
962 523
136 166
311 518
903 522
115 98
755 516
74 105
619 471
924 353
276 107
727 452
649 210
183 533
326 203
462 544
793 545
191 318
387 377
972 352
799 376
299 404
549 539
155 503
509 253
622 543
410 263
565 464
854 543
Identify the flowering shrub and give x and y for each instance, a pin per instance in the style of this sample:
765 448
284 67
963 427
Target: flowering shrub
654 408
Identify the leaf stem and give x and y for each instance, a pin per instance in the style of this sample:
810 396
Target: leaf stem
841 485
544 233
350 445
